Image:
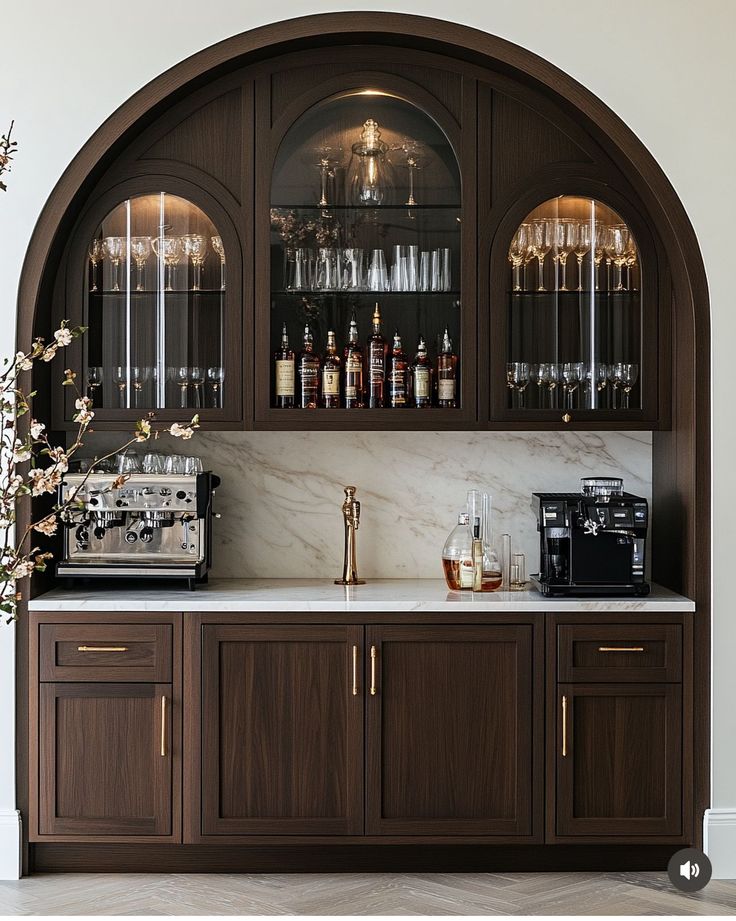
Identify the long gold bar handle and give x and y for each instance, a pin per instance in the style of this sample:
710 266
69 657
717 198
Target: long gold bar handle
620 649
564 726
102 648
355 671
163 727
374 654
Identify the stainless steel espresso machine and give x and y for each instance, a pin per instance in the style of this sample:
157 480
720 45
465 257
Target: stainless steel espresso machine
592 542
153 526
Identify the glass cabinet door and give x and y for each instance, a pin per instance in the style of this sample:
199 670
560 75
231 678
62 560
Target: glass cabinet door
155 290
365 260
574 317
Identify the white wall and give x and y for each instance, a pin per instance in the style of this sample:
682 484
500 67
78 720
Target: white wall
666 66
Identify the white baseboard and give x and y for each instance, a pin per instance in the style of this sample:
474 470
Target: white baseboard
719 841
10 844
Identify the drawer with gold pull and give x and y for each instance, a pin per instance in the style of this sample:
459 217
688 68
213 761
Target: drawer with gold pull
105 652
619 652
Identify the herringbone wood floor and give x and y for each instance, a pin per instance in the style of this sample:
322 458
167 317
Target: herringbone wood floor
362 894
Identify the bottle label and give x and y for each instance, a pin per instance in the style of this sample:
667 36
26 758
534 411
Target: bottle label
285 377
331 383
421 383
446 389
467 573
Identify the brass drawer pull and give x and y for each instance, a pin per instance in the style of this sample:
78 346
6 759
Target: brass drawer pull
102 648
163 727
374 654
355 671
620 649
564 726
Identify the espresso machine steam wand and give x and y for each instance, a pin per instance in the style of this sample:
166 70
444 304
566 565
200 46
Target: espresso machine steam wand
351 515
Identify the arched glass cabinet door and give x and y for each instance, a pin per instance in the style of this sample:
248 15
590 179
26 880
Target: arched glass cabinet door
365 227
574 317
156 280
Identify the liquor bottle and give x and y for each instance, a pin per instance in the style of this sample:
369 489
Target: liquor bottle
285 376
353 369
308 368
376 364
422 376
447 374
331 374
398 378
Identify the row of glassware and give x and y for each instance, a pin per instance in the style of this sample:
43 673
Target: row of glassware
168 250
334 269
129 461
189 380
564 237
569 376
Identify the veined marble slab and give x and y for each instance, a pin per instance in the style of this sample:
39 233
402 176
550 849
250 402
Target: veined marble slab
318 595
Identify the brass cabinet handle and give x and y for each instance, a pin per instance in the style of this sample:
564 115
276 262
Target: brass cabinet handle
620 649
374 655
355 671
564 726
102 648
163 727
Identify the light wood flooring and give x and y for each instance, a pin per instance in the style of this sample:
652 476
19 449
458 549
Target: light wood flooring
362 894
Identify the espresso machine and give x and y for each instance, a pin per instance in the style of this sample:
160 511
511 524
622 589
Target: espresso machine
592 542
149 526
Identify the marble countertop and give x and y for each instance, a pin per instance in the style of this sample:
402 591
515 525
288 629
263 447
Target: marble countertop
318 595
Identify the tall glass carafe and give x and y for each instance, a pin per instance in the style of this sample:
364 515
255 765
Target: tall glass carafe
480 518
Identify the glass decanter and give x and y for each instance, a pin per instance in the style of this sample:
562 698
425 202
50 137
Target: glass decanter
371 182
457 556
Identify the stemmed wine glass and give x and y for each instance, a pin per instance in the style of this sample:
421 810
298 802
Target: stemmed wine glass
168 249
329 158
215 377
96 252
598 243
181 376
120 379
196 379
582 248
140 250
139 377
114 249
565 238
572 375
194 246
542 239
617 249
602 380
220 250
549 376
94 380
413 151
631 259
625 376
519 252
518 375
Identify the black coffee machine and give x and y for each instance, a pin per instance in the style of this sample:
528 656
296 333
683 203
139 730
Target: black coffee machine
592 542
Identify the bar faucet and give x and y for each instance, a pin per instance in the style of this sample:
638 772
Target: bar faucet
351 515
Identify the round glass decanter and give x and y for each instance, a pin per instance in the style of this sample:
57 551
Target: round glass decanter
371 182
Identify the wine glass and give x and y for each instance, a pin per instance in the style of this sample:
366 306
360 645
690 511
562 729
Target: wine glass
216 376
220 250
96 252
140 250
120 379
168 249
625 376
617 249
94 380
572 375
196 379
565 237
542 238
598 244
114 249
413 152
194 246
602 380
518 375
139 376
519 252
549 376
581 248
328 160
632 255
182 379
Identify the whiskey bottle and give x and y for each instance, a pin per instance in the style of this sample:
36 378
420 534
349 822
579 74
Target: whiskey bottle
446 374
331 374
376 362
422 376
285 377
398 377
308 369
353 369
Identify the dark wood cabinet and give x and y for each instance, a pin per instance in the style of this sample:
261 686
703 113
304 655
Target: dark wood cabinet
451 731
282 730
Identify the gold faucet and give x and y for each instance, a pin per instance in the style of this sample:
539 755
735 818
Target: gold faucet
351 514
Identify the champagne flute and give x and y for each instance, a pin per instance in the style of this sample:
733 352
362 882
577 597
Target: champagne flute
565 237
220 250
194 247
94 380
140 250
96 252
541 243
216 376
581 248
518 252
114 249
168 249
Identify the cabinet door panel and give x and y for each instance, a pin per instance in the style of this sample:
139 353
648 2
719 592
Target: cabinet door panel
621 769
282 731
105 760
450 731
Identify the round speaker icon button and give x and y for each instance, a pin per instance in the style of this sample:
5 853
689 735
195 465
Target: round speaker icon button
689 870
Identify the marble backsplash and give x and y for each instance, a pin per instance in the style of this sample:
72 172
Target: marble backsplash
281 492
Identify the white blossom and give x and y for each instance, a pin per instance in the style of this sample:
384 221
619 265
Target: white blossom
23 362
83 403
22 569
49 352
58 455
84 416
36 428
181 431
46 525
21 452
43 481
63 336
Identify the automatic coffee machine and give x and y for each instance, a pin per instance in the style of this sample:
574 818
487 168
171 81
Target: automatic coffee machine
592 543
152 526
